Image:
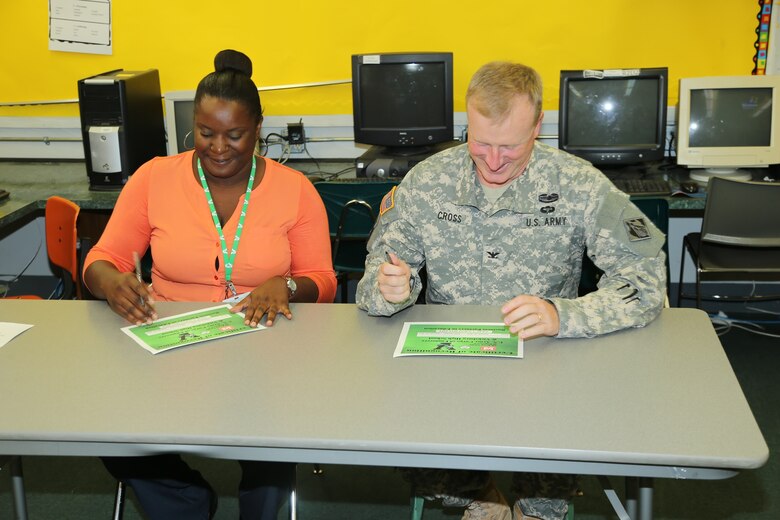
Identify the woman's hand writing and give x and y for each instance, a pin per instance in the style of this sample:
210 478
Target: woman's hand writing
128 297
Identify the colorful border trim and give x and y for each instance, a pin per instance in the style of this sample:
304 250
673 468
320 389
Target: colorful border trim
764 18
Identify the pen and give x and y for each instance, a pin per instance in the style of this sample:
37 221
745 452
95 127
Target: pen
387 255
137 262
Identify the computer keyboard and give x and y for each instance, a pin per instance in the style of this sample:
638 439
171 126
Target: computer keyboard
643 186
354 180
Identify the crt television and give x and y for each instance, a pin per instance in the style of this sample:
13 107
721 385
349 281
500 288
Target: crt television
402 101
179 120
613 117
726 123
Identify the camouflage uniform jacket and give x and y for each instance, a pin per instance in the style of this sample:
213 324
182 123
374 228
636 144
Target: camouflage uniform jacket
531 241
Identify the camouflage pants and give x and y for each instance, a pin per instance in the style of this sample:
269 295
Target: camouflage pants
541 495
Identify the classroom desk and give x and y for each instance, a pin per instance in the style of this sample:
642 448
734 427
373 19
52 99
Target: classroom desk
661 401
31 183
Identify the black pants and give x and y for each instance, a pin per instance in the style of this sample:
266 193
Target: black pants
167 487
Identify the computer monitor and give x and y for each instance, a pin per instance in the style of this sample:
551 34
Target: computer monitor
726 123
179 120
613 117
402 101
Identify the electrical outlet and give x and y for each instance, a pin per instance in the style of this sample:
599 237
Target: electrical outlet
295 134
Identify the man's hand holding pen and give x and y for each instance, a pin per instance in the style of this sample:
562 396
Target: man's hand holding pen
394 279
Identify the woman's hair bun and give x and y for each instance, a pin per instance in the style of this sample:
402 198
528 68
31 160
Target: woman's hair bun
229 59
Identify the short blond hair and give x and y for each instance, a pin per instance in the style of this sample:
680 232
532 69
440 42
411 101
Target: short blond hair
493 87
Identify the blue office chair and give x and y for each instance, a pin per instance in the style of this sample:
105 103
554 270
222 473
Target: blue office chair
352 209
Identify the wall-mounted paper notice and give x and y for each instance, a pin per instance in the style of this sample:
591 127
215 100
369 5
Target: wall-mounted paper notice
80 26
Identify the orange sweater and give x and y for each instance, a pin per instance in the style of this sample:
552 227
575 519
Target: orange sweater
163 205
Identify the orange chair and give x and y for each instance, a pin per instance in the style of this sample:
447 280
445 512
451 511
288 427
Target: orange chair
62 244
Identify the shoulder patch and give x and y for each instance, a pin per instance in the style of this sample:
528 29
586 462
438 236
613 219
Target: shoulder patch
388 202
636 229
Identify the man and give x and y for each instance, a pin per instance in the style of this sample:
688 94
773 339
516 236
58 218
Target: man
506 220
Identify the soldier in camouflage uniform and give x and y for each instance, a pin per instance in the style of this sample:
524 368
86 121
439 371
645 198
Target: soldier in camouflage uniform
505 220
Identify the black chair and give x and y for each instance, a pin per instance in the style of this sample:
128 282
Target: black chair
352 209
739 239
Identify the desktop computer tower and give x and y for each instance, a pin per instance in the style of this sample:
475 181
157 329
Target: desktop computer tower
378 163
122 124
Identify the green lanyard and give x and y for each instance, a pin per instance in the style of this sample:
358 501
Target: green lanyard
228 258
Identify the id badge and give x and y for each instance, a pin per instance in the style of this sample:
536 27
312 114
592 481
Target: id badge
235 299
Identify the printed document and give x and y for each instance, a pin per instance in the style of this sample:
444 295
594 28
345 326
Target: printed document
458 339
9 331
189 328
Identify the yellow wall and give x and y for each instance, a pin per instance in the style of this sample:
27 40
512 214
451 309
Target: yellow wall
301 41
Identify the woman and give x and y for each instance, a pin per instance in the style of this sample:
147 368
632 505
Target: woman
223 225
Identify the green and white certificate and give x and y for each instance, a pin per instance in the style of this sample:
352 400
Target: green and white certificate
458 339
189 328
